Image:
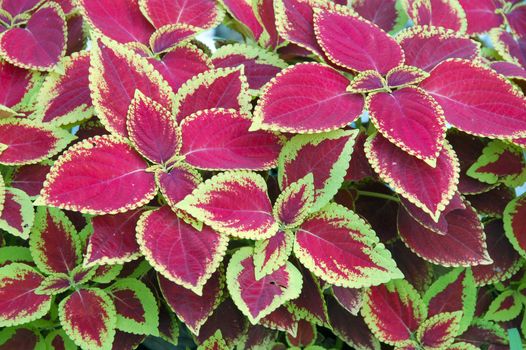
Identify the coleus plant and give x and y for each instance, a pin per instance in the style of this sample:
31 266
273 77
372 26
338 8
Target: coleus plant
335 173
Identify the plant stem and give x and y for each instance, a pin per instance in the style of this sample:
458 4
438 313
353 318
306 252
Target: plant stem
378 195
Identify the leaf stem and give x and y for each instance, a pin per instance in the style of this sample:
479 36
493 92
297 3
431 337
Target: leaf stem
378 195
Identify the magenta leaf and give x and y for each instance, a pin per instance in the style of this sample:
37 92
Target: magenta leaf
219 139
177 250
54 284
216 88
16 82
383 13
298 101
350 299
511 48
177 183
258 298
54 242
115 73
411 119
18 301
425 47
367 81
498 106
169 36
190 308
341 249
30 178
393 311
17 7
405 75
18 214
438 13
42 42
120 20
135 305
408 175
27 142
294 203
65 99
282 319
198 13
272 253
88 317
152 129
113 239
464 243
481 15
94 176
370 48
310 305
243 12
233 203
440 330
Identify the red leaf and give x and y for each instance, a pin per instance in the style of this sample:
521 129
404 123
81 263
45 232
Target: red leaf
115 74
410 176
370 48
191 308
350 299
440 330
54 242
18 301
66 99
411 119
425 47
492 202
282 319
21 338
28 142
232 330
88 317
383 13
199 13
307 98
481 15
463 244
153 129
177 250
16 83
113 239
42 42
310 305
219 139
94 176
464 90
120 20
306 335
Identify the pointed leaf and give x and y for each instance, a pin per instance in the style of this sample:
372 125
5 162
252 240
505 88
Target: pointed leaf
54 242
424 128
58 340
232 330
258 298
234 203
464 243
505 307
306 335
120 20
310 305
18 301
300 156
199 13
282 319
350 299
65 98
439 13
152 129
392 164
272 253
243 12
30 178
393 311
219 139
135 306
307 98
367 81
21 338
42 42
500 162
498 106
484 333
193 310
260 65
115 73
425 47
405 75
439 331
113 239
509 47
54 284
515 224
16 82
350 328
18 214
27 142
481 15
453 291
340 248
215 342
177 183
94 176
177 250
88 317
370 48
215 88
294 203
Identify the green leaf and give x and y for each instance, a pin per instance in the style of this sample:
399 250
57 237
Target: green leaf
106 273
11 254
215 342
504 307
130 317
54 284
52 337
22 206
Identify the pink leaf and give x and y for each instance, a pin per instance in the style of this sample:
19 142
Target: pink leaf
16 82
383 13
243 12
481 15
439 13
198 13
170 36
